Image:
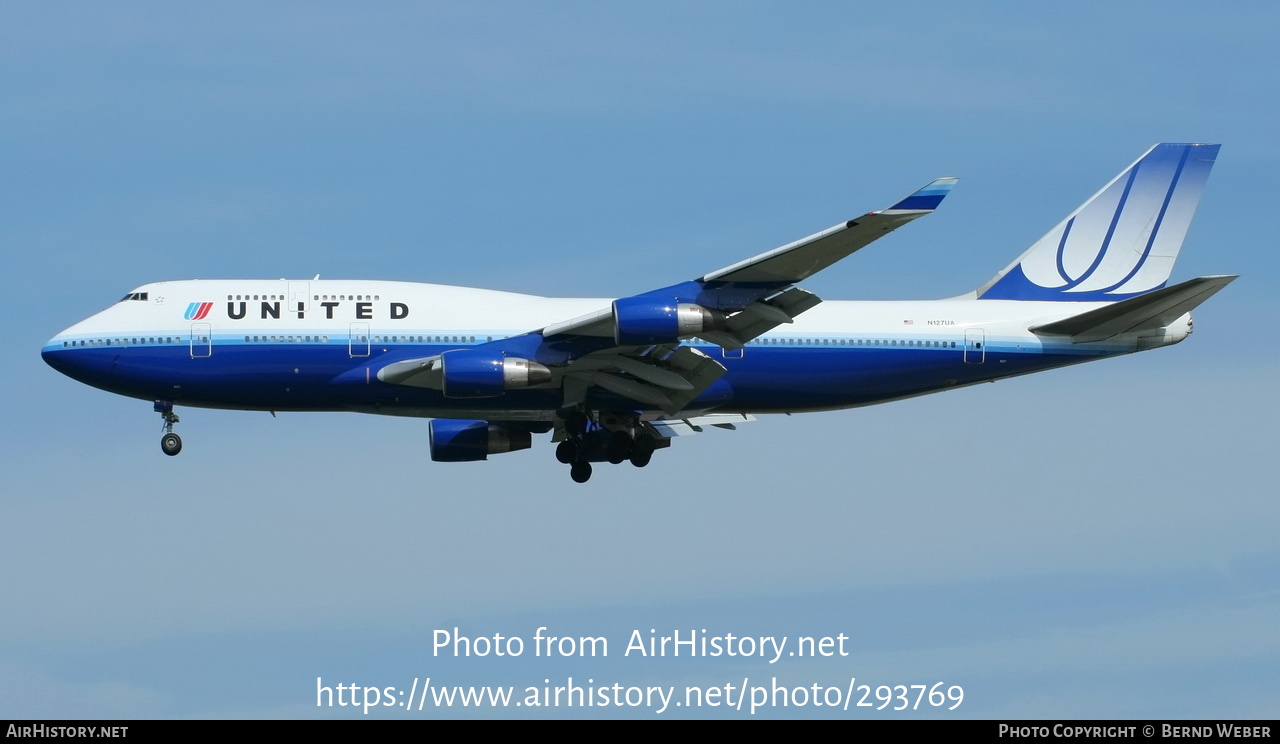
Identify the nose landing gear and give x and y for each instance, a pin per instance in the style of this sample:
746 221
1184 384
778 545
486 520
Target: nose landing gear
170 443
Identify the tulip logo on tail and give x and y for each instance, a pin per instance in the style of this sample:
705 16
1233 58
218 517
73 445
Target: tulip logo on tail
1120 243
198 310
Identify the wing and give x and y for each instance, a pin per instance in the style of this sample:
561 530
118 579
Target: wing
804 258
772 272
634 348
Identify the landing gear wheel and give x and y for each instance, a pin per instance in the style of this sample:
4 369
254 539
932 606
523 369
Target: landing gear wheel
580 472
619 448
567 451
642 451
171 444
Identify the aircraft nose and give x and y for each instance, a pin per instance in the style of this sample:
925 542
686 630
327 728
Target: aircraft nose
79 363
58 356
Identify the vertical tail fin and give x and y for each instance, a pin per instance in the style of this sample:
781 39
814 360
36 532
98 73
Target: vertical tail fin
1120 243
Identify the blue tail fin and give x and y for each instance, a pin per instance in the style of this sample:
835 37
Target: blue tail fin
1120 243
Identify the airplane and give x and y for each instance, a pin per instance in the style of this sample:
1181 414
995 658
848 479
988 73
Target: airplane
614 380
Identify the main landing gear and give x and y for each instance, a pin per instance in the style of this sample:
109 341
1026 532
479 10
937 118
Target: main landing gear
610 441
170 443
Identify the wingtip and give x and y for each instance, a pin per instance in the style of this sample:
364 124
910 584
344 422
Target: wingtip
928 198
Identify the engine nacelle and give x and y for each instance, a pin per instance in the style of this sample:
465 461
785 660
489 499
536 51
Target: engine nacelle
455 440
481 373
644 320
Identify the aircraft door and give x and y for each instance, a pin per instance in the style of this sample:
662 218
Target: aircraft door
201 340
299 298
975 340
358 345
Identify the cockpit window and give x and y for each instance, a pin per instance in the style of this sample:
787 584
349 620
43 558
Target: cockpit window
136 296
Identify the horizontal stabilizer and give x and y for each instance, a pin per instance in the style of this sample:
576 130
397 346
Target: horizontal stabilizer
1144 312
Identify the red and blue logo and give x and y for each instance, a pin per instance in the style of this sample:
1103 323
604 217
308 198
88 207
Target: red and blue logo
198 310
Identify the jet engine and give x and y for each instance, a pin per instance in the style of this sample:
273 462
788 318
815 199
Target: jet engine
645 320
479 373
457 440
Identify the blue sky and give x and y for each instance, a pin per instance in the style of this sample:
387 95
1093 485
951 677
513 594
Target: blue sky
1090 542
